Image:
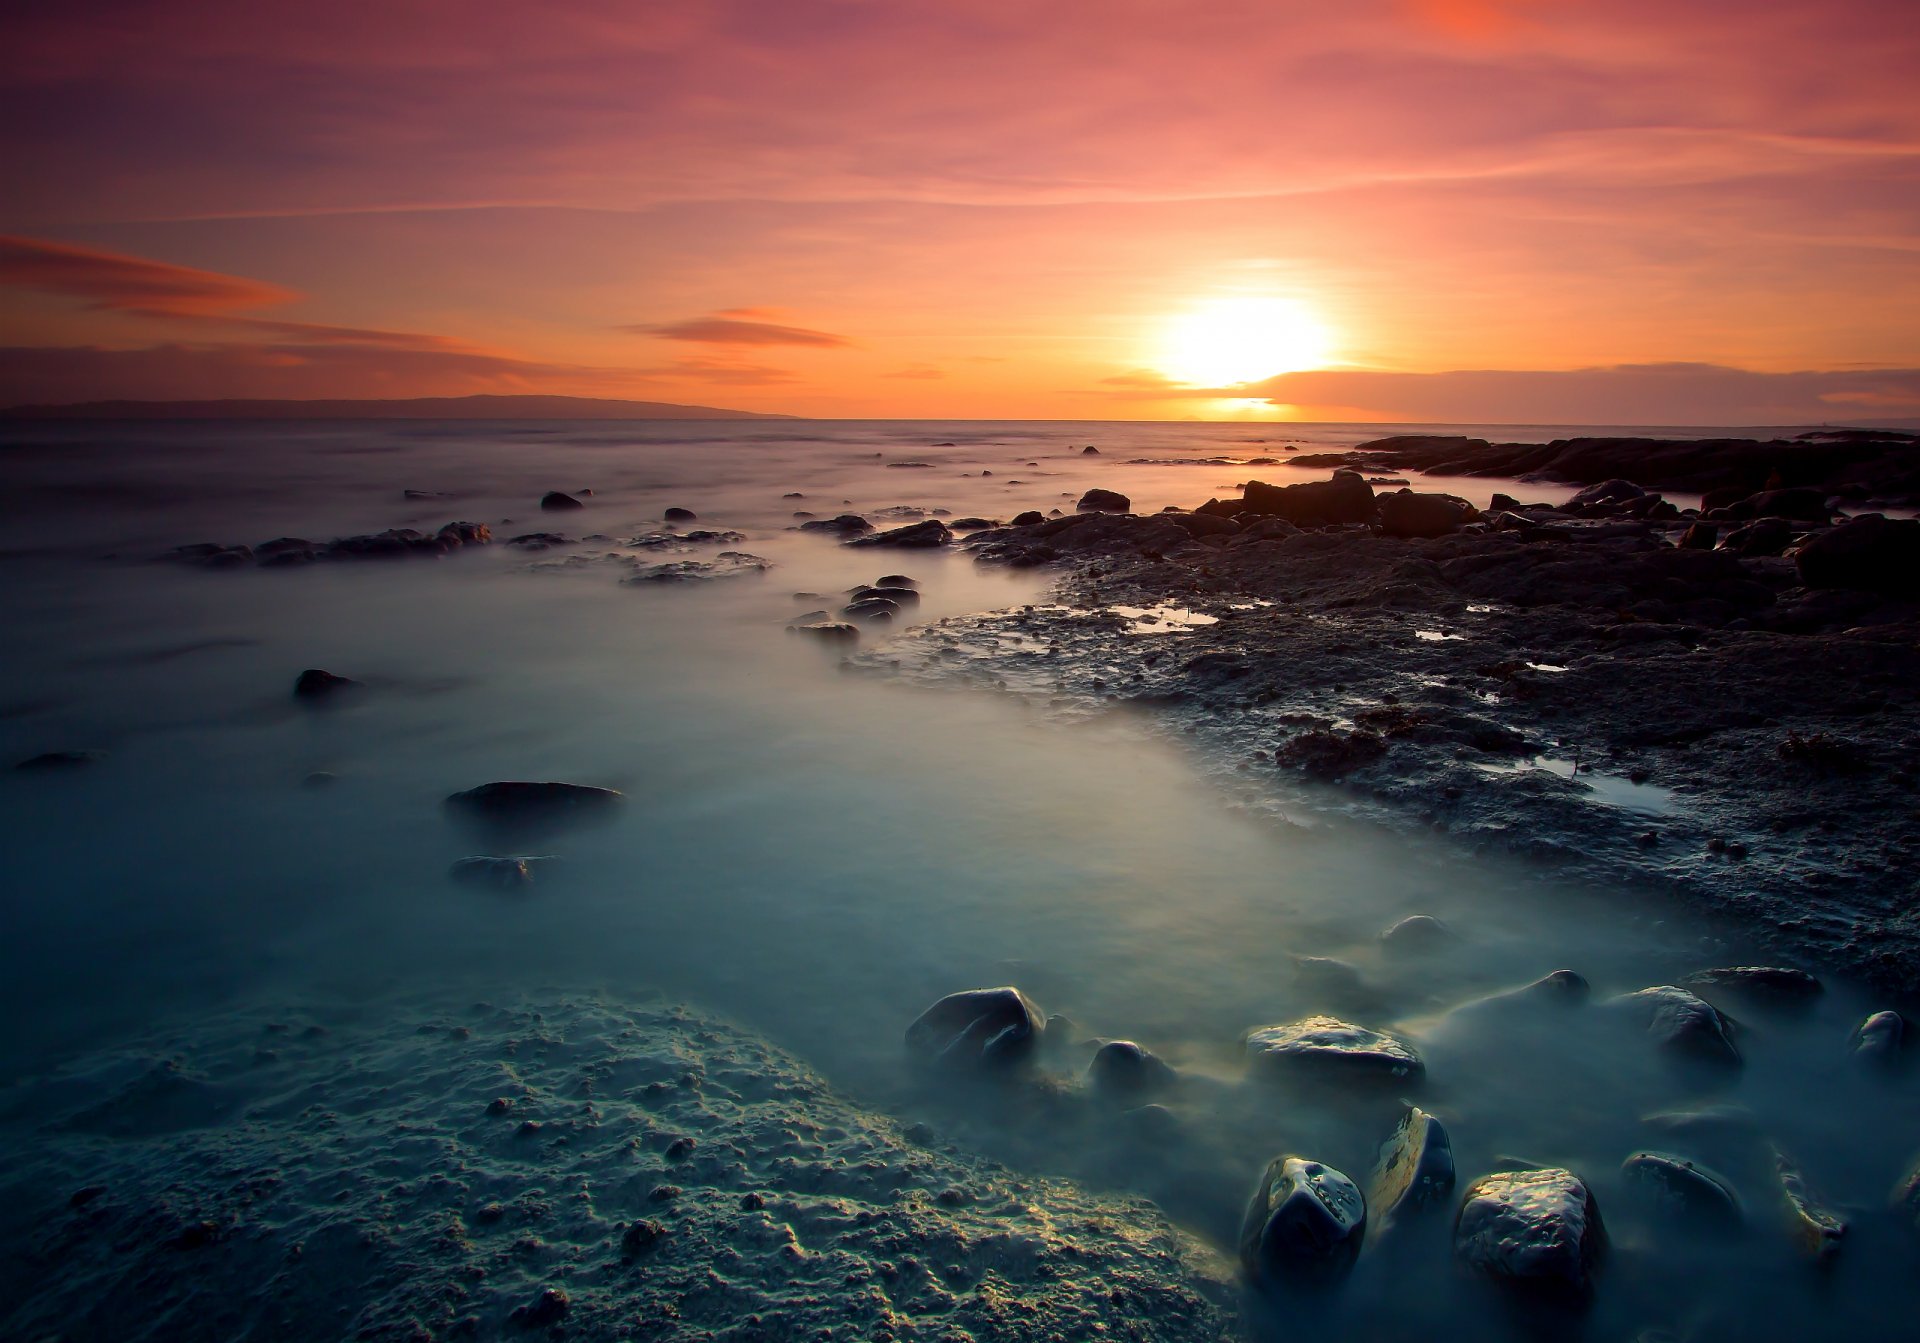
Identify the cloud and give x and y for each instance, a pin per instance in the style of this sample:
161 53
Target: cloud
728 329
724 372
914 372
116 282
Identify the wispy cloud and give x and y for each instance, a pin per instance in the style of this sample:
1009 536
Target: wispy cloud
727 328
116 282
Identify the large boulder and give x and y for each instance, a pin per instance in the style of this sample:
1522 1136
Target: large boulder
1871 553
978 1028
1404 513
926 535
1305 1221
1329 1047
1320 503
1537 1229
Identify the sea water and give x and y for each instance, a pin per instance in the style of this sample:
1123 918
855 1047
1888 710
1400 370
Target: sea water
816 852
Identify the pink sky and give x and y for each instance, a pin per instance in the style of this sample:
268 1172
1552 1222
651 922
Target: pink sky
1516 210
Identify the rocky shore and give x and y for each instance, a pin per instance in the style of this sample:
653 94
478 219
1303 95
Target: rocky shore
1719 701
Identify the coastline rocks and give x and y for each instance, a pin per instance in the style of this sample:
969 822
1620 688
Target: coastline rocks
1033 517
886 592
1345 498
871 608
1871 554
1684 1191
847 524
556 501
1305 1221
921 535
826 631
991 1029
1681 1022
517 800
1121 1070
316 685
1880 1038
1104 501
1776 985
727 564
539 540
1329 1047
1406 514
1535 1229
1415 1169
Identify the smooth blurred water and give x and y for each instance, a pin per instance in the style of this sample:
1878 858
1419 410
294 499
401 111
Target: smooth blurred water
816 853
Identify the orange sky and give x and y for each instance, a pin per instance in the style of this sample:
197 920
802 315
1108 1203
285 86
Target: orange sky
1521 210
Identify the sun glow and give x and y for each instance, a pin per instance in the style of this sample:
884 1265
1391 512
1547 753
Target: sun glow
1232 341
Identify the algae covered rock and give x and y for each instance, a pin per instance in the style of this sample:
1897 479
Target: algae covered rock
1332 1048
1305 1221
978 1028
1536 1229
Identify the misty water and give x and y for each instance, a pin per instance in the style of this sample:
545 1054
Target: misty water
820 852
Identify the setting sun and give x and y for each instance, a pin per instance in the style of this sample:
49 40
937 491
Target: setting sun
1237 340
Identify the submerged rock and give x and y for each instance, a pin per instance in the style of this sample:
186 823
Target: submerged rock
727 564
1771 984
918 535
500 874
48 762
847 524
556 501
978 1028
316 684
1536 1229
1122 1070
1880 1038
1415 1168
1305 1221
518 800
1417 933
679 515
1682 1022
1906 1197
1814 1230
1684 1191
1330 1047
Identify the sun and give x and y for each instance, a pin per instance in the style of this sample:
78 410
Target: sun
1230 341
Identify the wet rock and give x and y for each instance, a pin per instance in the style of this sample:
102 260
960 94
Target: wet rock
1089 451
1151 1123
641 1237
827 631
1688 1193
207 555
1870 553
1533 1229
1305 1222
1331 1048
315 684
1325 974
498 874
922 535
1417 934
846 524
1607 492
978 1028
286 552
1681 1022
1345 498
51 762
1406 514
1415 1169
876 609
1771 985
726 564
1800 504
548 1308
1880 1038
1033 517
897 595
517 800
555 501
896 581
1204 524
973 524
679 515
539 540
1104 501
1815 1230
1906 1197
1326 754
1122 1070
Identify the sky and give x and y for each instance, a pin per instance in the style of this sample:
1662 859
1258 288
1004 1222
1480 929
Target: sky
1526 211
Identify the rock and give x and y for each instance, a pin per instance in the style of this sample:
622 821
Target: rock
1906 1197
1415 1168
554 501
1417 934
1801 504
898 596
1775 985
1104 501
314 684
500 874
1700 536
424 494
1766 536
1870 553
286 552
1682 1023
827 631
1345 498
873 609
1536 1229
1089 451
539 540
1406 514
1688 1193
516 800
1305 1221
726 564
1327 754
1329 1047
973 524
1815 1231
1607 492
1122 1070
48 762
320 778
210 556
923 535
1880 1038
1326 974
1033 517
847 524
978 1028
895 581
548 1308
679 515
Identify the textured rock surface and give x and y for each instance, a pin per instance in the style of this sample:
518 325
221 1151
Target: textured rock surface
1332 1048
1534 1228
1305 1220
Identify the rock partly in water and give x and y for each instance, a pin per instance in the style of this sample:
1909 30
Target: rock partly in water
1532 1229
991 1029
1681 1023
518 802
499 874
1304 1223
875 609
1416 935
1121 1070
1346 498
846 524
558 501
1767 985
918 535
836 632
1880 1038
1415 1169
1690 1195
1815 1230
1871 553
679 515
1104 501
1330 1048
1033 517
315 685
726 564
50 762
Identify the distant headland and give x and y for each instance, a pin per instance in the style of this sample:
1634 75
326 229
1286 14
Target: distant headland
408 408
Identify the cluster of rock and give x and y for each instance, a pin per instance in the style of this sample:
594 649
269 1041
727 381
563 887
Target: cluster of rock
292 551
877 603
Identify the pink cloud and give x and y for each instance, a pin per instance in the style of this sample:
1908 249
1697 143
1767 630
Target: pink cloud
722 329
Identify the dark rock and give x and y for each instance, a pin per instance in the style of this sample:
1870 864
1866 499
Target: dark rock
910 466
499 1105
1871 554
1089 451
1906 1197
978 1028
1204 524
871 609
1767 536
516 800
548 1308
1326 754
539 540
1607 492
286 552
1404 513
726 564
499 874
1345 498
1415 1168
1700 536
553 501
1122 1070
320 778
1033 517
48 762
1536 1229
1680 1022
640 1237
1305 1222
1688 1193
1816 1231
1104 501
1416 934
424 494
1795 505
895 581
1770 984
316 684
795 494
921 535
827 631
1880 1038
679 515
1331 1048
207 555
973 524
898 596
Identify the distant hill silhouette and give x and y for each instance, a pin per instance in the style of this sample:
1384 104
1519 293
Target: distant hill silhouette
411 408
